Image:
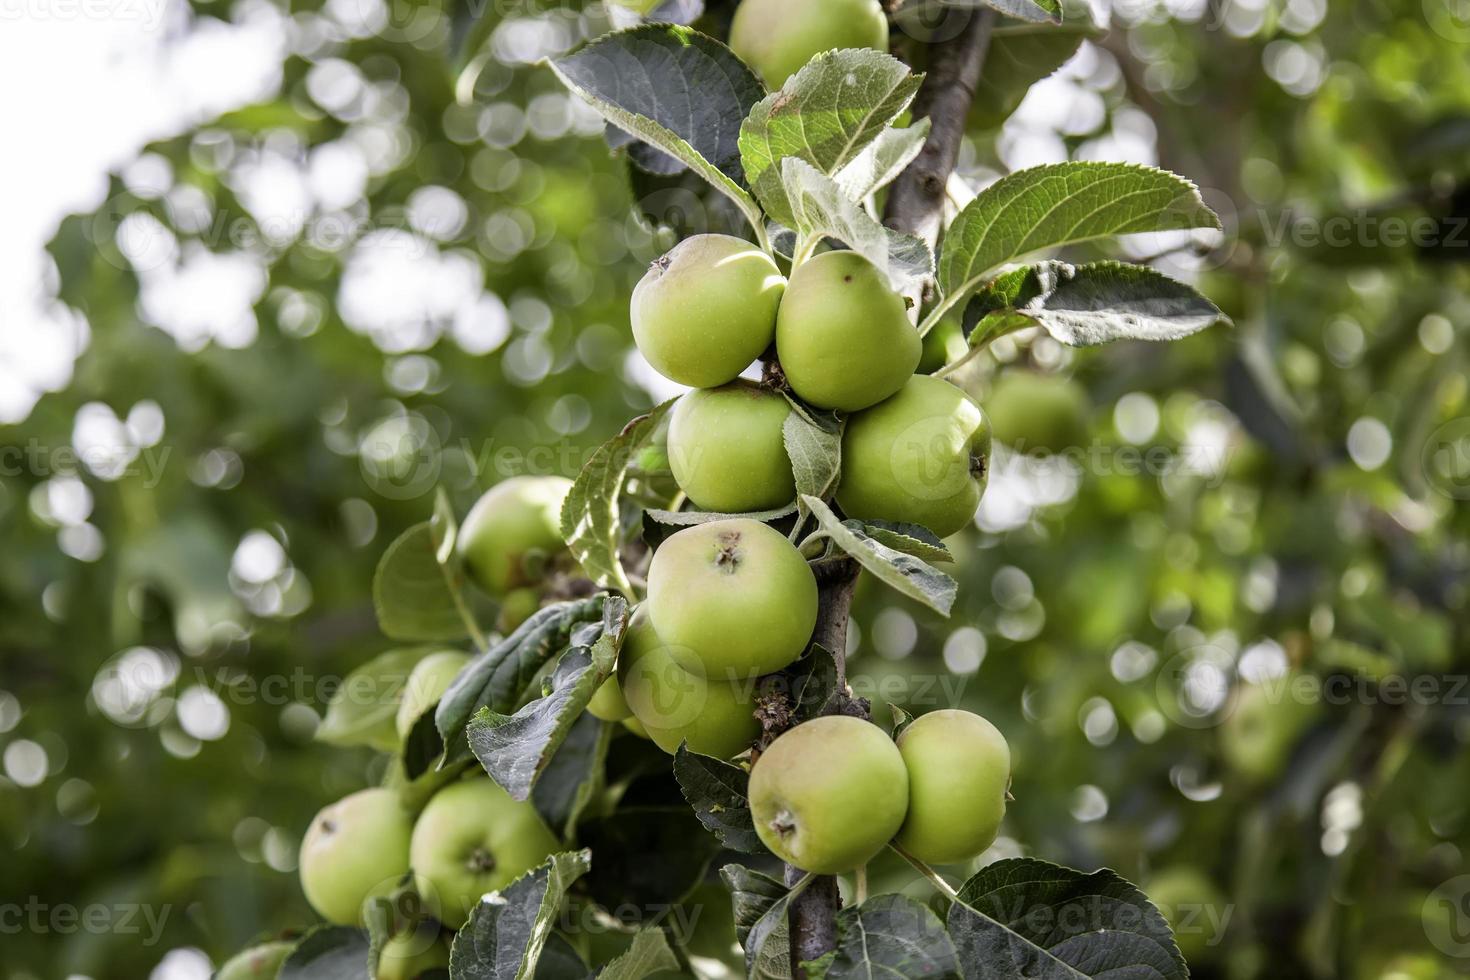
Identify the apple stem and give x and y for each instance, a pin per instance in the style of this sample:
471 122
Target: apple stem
915 206
945 888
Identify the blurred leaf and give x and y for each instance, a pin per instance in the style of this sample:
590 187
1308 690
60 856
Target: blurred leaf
328 953
1032 10
413 592
505 936
648 856
363 708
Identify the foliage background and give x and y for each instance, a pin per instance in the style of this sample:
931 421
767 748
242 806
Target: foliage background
302 315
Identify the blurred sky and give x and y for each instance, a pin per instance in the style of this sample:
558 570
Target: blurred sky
87 83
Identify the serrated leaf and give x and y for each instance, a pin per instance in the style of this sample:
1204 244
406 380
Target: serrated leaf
496 678
413 592
590 518
516 749
676 89
760 903
882 161
649 954
826 114
1027 918
820 209
911 539
363 708
904 573
1059 204
508 929
889 935
1085 305
329 953
691 518
717 791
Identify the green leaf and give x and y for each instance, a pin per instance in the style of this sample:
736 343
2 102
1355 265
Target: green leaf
901 572
1022 53
760 919
826 114
883 160
901 720
820 209
329 953
911 539
626 881
364 707
649 954
717 791
590 519
505 935
814 445
516 749
1024 917
691 518
1085 305
412 591
574 776
677 89
497 678
889 935
1038 11
1059 204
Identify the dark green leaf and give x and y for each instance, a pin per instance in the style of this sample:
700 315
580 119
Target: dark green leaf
760 919
574 775
889 935
1026 918
329 953
504 936
717 792
626 881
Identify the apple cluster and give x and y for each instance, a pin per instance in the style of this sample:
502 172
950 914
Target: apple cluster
828 795
915 448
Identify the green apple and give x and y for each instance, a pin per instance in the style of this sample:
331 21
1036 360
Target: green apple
608 703
261 962
843 335
944 343
518 606
355 850
636 727
778 37
921 457
959 770
470 840
716 718
829 794
1038 413
707 309
426 684
1264 722
1194 907
511 532
733 599
727 450
411 954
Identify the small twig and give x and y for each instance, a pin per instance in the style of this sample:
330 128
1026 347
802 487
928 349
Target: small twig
945 888
860 883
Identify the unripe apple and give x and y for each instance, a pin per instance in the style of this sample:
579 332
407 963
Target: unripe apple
261 962
1038 413
727 450
944 343
707 309
636 727
411 954
1194 907
355 850
732 599
608 703
470 840
426 684
843 335
516 607
716 718
829 794
959 770
512 530
778 37
921 457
